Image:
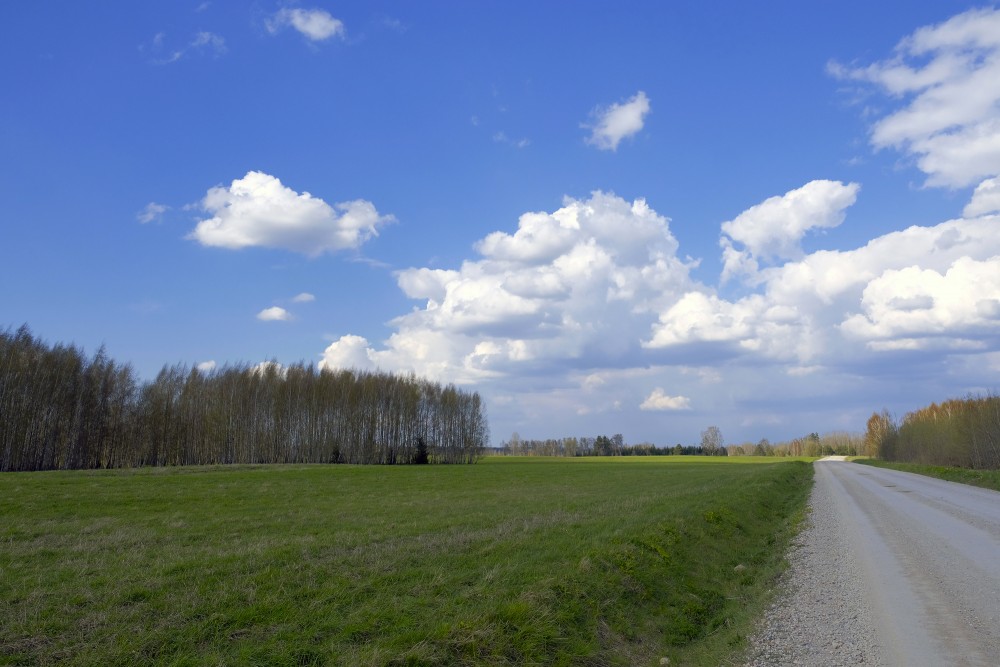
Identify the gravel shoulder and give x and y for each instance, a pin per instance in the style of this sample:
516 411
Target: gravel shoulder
821 616
891 569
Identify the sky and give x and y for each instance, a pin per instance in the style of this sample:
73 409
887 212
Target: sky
642 218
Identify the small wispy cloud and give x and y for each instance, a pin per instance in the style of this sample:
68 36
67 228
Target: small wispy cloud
394 25
316 25
614 123
204 42
152 212
274 314
502 138
304 297
214 42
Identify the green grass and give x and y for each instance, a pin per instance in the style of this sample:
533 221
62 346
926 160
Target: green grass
988 479
507 562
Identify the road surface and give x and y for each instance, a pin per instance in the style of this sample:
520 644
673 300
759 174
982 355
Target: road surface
894 569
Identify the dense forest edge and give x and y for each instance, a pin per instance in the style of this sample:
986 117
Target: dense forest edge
62 410
960 433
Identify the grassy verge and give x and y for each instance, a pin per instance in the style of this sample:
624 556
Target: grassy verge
988 479
509 562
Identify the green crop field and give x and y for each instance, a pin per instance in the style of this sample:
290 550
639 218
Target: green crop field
512 561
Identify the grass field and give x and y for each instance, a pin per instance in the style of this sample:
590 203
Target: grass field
507 562
988 479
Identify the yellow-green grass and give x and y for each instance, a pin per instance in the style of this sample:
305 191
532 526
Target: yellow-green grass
513 561
988 479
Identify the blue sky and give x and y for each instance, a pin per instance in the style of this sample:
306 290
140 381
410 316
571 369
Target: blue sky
644 218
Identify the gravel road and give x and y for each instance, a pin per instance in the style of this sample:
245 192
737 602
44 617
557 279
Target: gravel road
893 569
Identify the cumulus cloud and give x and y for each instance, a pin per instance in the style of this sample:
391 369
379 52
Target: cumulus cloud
207 366
304 297
612 124
774 228
922 287
258 210
948 78
274 314
915 308
348 352
577 285
985 199
151 212
315 25
658 400
588 309
700 317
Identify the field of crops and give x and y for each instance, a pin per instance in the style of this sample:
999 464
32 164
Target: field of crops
512 561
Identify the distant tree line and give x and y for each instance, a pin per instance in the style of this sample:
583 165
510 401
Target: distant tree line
62 410
963 433
711 444
603 445
838 442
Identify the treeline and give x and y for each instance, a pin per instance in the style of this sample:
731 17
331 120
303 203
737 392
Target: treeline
571 446
62 410
600 445
712 444
962 433
840 443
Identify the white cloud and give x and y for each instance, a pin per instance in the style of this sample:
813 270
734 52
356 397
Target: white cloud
274 314
831 307
257 210
985 199
314 24
589 307
774 228
207 366
151 212
700 317
618 121
304 297
266 367
658 400
948 78
348 352
920 306
579 285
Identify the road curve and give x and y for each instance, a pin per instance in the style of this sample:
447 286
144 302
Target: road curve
911 561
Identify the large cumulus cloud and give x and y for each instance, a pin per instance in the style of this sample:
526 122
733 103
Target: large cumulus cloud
576 286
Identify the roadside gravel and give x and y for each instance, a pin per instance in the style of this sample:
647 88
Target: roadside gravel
821 617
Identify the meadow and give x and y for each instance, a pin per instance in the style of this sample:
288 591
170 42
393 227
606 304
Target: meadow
512 561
